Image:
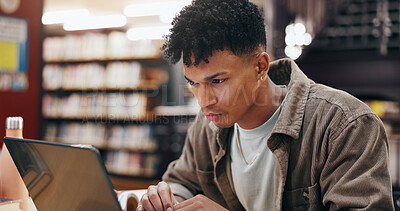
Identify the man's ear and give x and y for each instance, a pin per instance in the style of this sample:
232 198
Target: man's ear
263 64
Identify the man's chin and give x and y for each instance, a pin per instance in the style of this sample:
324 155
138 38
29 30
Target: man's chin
222 124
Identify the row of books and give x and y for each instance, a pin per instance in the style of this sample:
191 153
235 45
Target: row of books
95 105
115 75
98 46
115 137
132 163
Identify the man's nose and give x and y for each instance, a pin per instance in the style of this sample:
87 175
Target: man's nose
205 97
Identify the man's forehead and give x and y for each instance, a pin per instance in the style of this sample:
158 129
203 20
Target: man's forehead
215 55
221 56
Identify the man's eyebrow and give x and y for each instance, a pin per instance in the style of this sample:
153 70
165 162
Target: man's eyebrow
187 78
209 78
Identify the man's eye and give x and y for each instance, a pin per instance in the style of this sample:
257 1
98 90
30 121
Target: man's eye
191 83
218 81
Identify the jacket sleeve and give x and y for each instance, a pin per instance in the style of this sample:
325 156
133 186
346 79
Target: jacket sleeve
356 174
181 173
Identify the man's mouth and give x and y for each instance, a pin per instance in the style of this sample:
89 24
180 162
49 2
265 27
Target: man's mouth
213 117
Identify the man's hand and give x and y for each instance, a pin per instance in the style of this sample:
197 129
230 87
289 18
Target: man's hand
158 197
199 202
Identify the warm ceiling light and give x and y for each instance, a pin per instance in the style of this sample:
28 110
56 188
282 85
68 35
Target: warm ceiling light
96 22
147 33
299 28
293 52
57 17
307 39
157 8
296 38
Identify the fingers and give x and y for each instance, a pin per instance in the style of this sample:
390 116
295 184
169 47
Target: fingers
166 196
157 198
185 204
187 207
154 198
190 204
174 200
145 204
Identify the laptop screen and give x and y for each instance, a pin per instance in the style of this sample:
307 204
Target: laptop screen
63 176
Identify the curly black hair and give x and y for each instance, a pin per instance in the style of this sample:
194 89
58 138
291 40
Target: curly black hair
209 25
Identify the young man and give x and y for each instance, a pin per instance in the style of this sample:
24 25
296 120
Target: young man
267 137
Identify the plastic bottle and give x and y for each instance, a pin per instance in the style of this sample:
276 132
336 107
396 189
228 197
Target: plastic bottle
11 184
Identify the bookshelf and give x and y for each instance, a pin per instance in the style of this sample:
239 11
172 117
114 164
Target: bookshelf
104 90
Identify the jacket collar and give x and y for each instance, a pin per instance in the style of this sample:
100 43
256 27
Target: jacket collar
286 72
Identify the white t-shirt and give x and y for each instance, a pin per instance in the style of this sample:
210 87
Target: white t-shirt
254 183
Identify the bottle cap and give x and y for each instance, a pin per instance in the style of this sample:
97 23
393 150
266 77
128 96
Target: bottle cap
14 122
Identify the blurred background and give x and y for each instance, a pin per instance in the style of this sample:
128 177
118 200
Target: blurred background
91 71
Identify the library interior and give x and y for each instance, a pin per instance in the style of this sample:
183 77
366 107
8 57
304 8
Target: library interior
92 72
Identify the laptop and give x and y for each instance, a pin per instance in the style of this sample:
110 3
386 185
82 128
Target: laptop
63 176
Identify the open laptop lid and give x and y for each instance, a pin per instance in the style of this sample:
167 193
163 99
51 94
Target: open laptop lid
63 176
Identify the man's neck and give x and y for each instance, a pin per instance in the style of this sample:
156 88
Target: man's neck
269 98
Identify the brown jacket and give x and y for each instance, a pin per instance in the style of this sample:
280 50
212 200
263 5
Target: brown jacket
331 152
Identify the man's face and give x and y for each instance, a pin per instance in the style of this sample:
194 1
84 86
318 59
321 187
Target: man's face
225 88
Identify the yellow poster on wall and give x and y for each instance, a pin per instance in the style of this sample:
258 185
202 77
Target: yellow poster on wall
8 56
13 53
